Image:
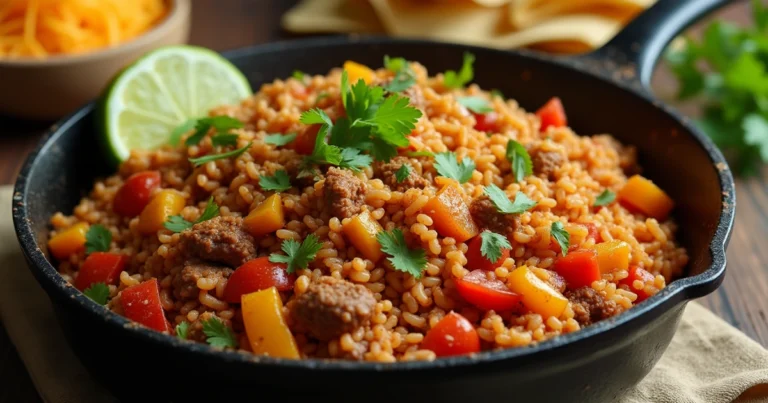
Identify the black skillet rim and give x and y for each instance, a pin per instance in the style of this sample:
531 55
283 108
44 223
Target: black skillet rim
688 287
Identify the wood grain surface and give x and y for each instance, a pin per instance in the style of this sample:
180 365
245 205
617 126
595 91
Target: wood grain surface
742 300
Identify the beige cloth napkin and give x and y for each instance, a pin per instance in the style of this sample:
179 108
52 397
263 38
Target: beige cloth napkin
708 361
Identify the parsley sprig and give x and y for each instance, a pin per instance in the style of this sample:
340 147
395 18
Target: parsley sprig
452 79
492 245
279 182
605 198
411 261
177 223
518 156
404 76
99 292
562 236
297 255
97 239
447 165
504 205
218 334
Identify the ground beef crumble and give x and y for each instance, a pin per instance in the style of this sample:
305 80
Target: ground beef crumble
590 306
344 192
221 240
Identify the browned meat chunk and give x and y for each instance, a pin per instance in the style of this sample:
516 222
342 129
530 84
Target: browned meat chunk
556 281
185 282
331 307
546 162
590 306
344 192
220 239
386 172
486 216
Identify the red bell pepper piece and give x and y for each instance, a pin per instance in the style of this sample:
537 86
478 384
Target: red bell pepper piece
256 275
453 335
593 232
486 294
100 267
636 273
486 122
476 260
305 140
579 268
141 303
135 193
552 114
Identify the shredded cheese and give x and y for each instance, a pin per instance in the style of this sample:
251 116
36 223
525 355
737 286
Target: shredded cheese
41 28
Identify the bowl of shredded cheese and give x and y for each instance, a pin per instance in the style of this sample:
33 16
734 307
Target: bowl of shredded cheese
56 55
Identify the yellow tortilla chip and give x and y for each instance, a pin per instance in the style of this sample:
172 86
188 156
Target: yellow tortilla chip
571 33
332 16
527 13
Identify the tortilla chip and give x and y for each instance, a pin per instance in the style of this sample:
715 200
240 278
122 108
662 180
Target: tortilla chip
347 16
575 32
527 13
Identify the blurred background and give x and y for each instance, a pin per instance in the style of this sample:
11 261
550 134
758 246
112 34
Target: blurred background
716 73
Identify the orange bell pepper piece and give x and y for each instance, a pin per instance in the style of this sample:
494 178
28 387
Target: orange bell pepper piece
450 213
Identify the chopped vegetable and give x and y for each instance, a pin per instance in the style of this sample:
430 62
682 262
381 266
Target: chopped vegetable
562 237
638 274
182 330
552 114
265 326
220 124
279 182
537 295
281 140
256 275
404 78
298 255
141 304
450 213
357 71
579 268
402 173
613 255
135 193
452 79
99 292
518 156
305 140
487 251
177 223
100 267
97 239
362 231
266 218
504 205
164 204
643 195
218 334
68 242
411 261
213 157
477 105
487 294
605 198
446 165
486 122
453 335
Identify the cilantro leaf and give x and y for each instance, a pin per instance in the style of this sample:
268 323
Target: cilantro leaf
279 139
298 74
404 76
182 330
298 255
605 198
492 245
446 165
218 334
315 116
213 157
179 131
420 154
518 156
475 104
279 182
361 100
402 173
97 239
351 158
452 79
411 261
224 139
562 236
99 292
395 119
504 205
177 223
221 124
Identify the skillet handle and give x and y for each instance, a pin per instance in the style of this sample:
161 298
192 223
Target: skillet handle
642 41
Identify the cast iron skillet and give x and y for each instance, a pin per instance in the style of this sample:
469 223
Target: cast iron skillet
604 92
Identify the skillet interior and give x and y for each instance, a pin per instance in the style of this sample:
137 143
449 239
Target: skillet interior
683 163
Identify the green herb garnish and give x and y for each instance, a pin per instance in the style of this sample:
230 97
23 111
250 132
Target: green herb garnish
177 223
182 330
99 292
224 140
213 157
492 245
605 198
452 79
219 335
518 156
562 236
279 139
278 182
402 173
475 104
97 239
321 96
420 154
221 124
180 130
504 205
411 261
298 74
297 255
404 76
446 165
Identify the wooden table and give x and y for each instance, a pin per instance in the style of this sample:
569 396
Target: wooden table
230 24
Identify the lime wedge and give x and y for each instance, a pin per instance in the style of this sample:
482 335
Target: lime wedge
162 90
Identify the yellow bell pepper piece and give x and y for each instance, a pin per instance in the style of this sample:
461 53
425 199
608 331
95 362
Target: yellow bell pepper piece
644 195
266 218
356 71
69 241
536 295
264 325
163 205
361 230
612 255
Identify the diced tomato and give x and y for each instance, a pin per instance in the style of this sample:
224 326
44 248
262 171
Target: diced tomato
256 275
100 267
487 122
636 273
299 92
476 260
141 304
453 335
579 268
305 140
552 114
135 193
486 294
594 233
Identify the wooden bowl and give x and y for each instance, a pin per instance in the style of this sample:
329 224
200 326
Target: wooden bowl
56 86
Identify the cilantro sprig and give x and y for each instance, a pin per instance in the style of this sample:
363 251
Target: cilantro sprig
447 165
475 104
562 236
97 239
518 156
221 125
279 182
177 223
99 292
404 76
182 330
213 157
492 245
452 79
218 334
297 255
605 198
411 261
504 205
279 139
